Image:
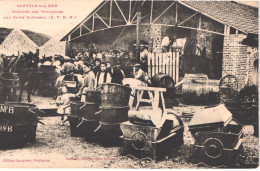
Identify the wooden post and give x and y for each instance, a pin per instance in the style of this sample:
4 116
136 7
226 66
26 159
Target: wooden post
138 31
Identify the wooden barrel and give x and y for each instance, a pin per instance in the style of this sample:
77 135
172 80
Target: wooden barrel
9 83
76 109
74 130
18 124
114 95
162 80
47 73
114 115
93 96
89 112
195 89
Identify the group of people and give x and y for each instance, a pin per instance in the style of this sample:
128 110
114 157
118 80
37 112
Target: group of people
79 76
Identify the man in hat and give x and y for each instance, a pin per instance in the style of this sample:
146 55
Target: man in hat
102 76
140 74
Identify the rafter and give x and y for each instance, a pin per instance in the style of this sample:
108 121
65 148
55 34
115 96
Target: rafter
188 18
102 20
120 11
86 27
110 13
164 12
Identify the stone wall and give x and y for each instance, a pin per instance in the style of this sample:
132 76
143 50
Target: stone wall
238 59
252 55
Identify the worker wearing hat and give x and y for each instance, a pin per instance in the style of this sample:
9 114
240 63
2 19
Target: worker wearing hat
140 74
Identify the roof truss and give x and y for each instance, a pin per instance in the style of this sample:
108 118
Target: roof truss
115 13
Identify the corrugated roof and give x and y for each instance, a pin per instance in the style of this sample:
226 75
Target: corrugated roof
236 15
38 38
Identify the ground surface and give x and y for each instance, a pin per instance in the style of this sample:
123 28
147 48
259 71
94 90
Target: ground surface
55 147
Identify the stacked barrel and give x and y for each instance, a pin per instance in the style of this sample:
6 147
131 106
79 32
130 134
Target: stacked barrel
18 124
48 77
114 106
91 114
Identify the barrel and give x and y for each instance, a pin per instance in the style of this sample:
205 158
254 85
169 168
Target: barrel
89 112
110 134
165 81
75 117
114 95
195 89
9 83
48 73
18 124
114 115
93 96
162 80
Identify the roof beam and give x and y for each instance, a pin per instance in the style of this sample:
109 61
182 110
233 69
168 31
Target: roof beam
188 18
102 20
86 27
151 14
120 11
110 13
163 12
207 15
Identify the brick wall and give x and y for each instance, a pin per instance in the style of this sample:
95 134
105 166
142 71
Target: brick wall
238 59
252 54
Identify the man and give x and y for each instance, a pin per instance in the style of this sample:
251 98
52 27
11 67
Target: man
88 80
102 76
117 74
96 69
140 74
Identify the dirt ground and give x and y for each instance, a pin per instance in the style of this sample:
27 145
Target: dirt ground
55 147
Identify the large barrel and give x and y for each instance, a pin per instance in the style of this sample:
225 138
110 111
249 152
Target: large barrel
47 89
195 89
114 115
114 95
18 124
164 81
75 117
9 83
47 73
93 96
89 112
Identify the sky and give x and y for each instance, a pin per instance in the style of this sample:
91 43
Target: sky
57 27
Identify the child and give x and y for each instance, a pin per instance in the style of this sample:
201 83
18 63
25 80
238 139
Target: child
63 102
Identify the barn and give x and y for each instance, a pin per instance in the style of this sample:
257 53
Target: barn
13 41
221 37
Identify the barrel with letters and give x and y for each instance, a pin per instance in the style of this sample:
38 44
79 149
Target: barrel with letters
18 124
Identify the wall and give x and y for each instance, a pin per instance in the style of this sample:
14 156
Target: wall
15 42
238 59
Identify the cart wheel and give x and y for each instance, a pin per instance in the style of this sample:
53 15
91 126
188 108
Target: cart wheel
213 148
139 140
